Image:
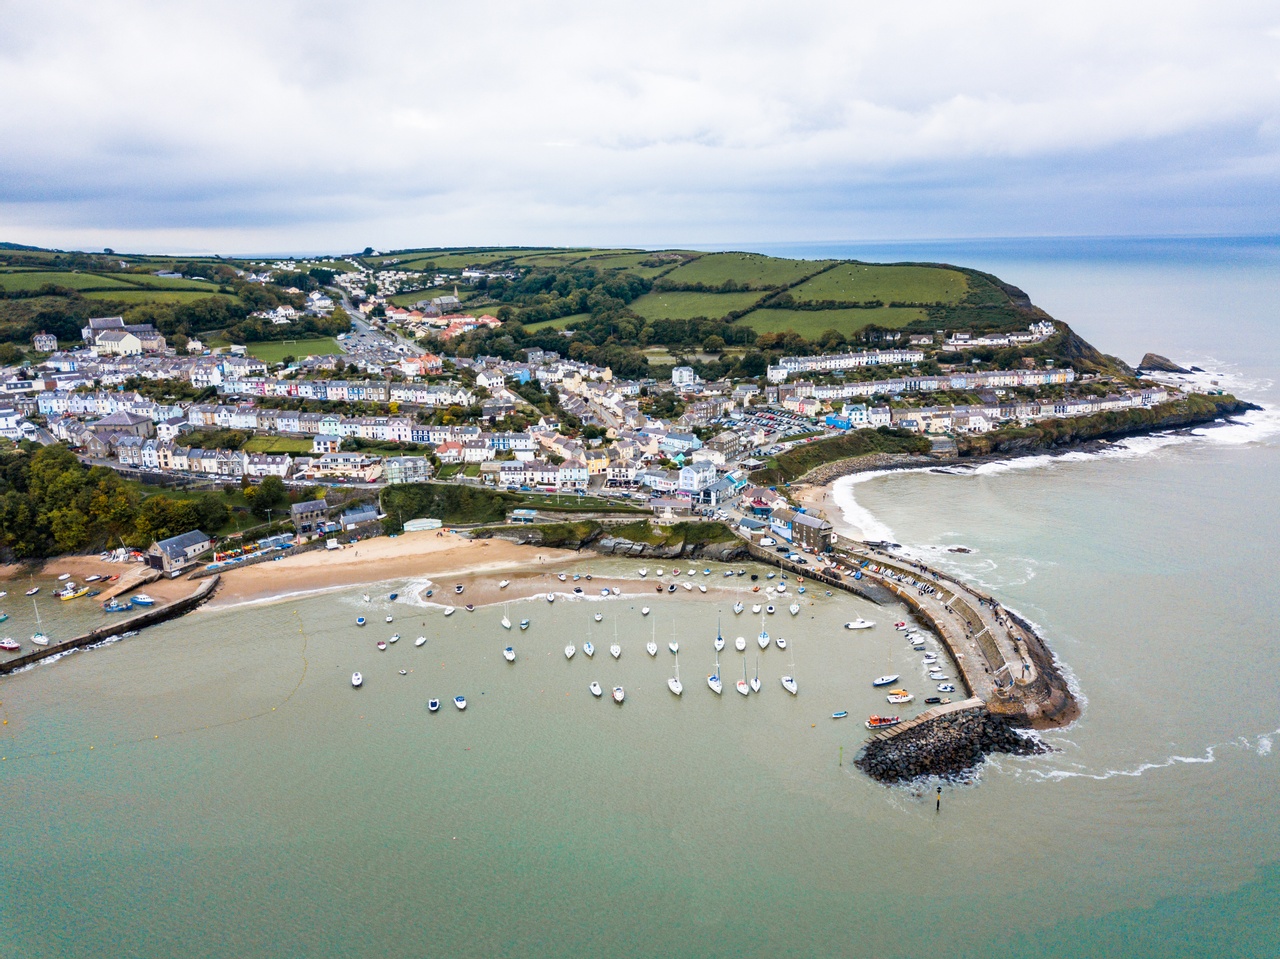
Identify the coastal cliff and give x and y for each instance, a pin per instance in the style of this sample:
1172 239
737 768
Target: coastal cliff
711 541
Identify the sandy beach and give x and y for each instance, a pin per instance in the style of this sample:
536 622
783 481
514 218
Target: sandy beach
821 499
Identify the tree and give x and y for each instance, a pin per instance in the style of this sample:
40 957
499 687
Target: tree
713 344
270 496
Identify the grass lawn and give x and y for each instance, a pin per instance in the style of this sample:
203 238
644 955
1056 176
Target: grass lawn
133 295
563 323
276 350
408 299
25 281
813 323
471 469
678 305
277 444
449 470
759 271
861 282
631 263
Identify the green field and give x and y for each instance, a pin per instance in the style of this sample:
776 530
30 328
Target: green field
813 323
276 350
147 281
563 323
631 263
678 305
25 281
760 272
135 295
277 444
856 282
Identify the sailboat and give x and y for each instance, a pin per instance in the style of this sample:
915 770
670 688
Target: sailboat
713 680
763 638
673 645
506 622
719 638
38 637
673 683
742 683
755 680
738 607
615 650
651 647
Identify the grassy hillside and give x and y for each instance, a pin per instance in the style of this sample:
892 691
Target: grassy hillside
681 305
860 282
753 269
276 352
794 463
813 323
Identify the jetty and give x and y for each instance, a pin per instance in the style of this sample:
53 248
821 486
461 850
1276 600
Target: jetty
116 628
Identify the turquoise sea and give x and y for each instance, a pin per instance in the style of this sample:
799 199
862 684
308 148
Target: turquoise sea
214 787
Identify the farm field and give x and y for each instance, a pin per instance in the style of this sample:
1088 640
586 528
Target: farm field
276 350
277 444
133 295
23 281
680 305
146 281
859 282
759 271
813 323
631 263
562 323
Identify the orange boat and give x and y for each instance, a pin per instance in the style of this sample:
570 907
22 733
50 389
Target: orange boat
876 722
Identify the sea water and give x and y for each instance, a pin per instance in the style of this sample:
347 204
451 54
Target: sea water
215 787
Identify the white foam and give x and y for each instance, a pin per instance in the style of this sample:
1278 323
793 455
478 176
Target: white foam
1261 744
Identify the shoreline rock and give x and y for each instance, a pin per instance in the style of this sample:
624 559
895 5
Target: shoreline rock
1154 361
949 746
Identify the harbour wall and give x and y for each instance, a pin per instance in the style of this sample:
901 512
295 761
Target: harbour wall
157 614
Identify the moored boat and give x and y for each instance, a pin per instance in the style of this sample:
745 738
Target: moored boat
92 579
142 599
740 643
10 645
569 651
879 722
551 597
433 704
643 571
885 680
357 680
115 606
673 682
524 624
33 590
780 643
598 617
420 641
713 680
457 588
395 638
596 691
359 619
840 714
509 654
900 698
460 702
794 609
382 644
742 685
738 608
946 688
644 610
615 650
589 648
619 694
504 584
450 610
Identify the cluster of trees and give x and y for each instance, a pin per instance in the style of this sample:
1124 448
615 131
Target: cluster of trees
254 329
51 503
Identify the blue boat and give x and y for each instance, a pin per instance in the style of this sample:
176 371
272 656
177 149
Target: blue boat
359 620
840 714
113 606
393 597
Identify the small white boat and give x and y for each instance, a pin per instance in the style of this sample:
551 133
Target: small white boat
782 587
404 672
524 624
714 681
719 642
688 586
644 571
10 645
359 620
39 639
460 702
644 610
693 572
92 579
433 704
946 688
658 571
3 593
794 609
457 588
755 607
561 576
615 650
899 698
728 573
504 584
569 651
598 617
589 648
771 609
741 684
885 680
771 575
395 638
651 648
755 680
789 684
596 691
142 599
615 591
674 647
738 608
551 597
366 597
33 590
673 683
509 654
701 588
388 619
449 611
382 645
618 694
740 643
64 577
506 623
763 639
421 640
706 572
357 680
781 643
859 623
938 676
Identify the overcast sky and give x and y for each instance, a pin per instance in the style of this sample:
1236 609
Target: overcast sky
316 125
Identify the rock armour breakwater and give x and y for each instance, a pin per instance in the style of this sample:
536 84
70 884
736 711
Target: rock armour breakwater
947 745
